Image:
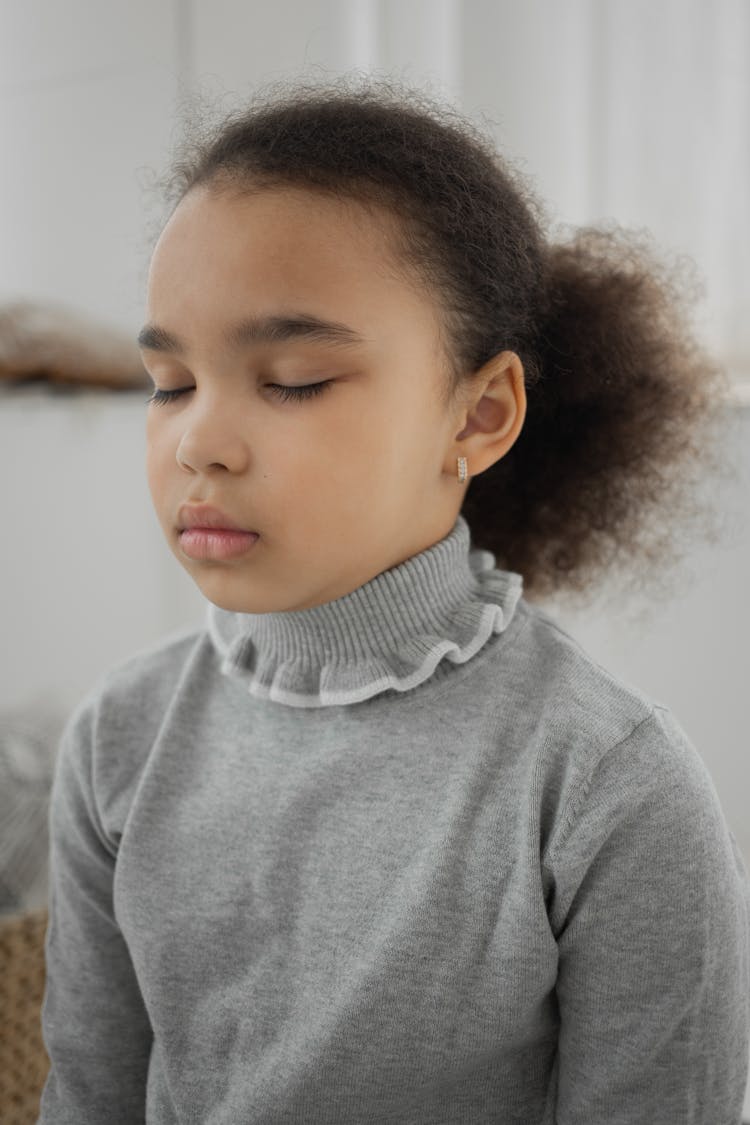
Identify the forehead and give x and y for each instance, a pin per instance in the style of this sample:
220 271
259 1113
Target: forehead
224 255
275 229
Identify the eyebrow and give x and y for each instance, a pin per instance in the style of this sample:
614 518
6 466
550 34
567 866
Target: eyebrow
255 330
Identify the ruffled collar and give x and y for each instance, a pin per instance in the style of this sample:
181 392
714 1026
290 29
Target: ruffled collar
443 603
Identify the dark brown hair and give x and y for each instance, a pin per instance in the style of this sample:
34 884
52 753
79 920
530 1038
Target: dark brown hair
622 400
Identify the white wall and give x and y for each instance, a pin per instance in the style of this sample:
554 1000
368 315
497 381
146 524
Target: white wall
87 93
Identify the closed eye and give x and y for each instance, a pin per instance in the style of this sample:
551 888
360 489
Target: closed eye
167 396
305 391
283 391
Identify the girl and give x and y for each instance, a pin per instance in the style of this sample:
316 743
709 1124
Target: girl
382 842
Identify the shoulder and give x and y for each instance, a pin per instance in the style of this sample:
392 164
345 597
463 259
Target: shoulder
606 752
562 698
111 732
146 678
574 690
126 705
592 735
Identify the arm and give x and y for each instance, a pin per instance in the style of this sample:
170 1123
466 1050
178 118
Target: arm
650 912
94 1024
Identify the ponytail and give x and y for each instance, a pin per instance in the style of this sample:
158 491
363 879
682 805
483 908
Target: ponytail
622 425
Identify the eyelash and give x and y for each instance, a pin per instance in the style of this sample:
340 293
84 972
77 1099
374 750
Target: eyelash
284 392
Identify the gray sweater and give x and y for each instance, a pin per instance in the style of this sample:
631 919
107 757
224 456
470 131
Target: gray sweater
410 856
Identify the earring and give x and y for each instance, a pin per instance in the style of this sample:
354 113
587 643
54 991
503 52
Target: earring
461 462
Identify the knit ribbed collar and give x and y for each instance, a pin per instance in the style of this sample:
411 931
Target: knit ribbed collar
390 633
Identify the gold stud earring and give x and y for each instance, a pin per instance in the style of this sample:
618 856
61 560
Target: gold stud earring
461 462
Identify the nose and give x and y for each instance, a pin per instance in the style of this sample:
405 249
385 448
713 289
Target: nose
211 440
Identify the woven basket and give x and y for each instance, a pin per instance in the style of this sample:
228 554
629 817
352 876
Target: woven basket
24 1063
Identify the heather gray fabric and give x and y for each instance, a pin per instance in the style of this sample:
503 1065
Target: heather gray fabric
497 888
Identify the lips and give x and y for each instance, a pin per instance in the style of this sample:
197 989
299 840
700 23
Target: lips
208 535
205 516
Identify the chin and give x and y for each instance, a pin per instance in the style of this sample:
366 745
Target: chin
234 603
220 594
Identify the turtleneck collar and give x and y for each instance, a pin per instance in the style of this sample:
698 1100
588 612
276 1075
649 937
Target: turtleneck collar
390 633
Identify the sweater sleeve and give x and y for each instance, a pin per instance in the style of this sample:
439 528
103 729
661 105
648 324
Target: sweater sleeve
94 1023
650 911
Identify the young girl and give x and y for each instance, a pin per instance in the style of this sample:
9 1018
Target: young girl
382 843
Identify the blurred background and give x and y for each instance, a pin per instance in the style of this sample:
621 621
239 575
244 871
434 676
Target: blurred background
623 110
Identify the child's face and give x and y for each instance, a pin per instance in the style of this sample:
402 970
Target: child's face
339 486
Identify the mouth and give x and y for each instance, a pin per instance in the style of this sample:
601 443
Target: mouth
207 534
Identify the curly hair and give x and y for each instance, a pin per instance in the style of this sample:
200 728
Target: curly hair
623 403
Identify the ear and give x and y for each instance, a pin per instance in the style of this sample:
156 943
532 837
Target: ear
495 416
